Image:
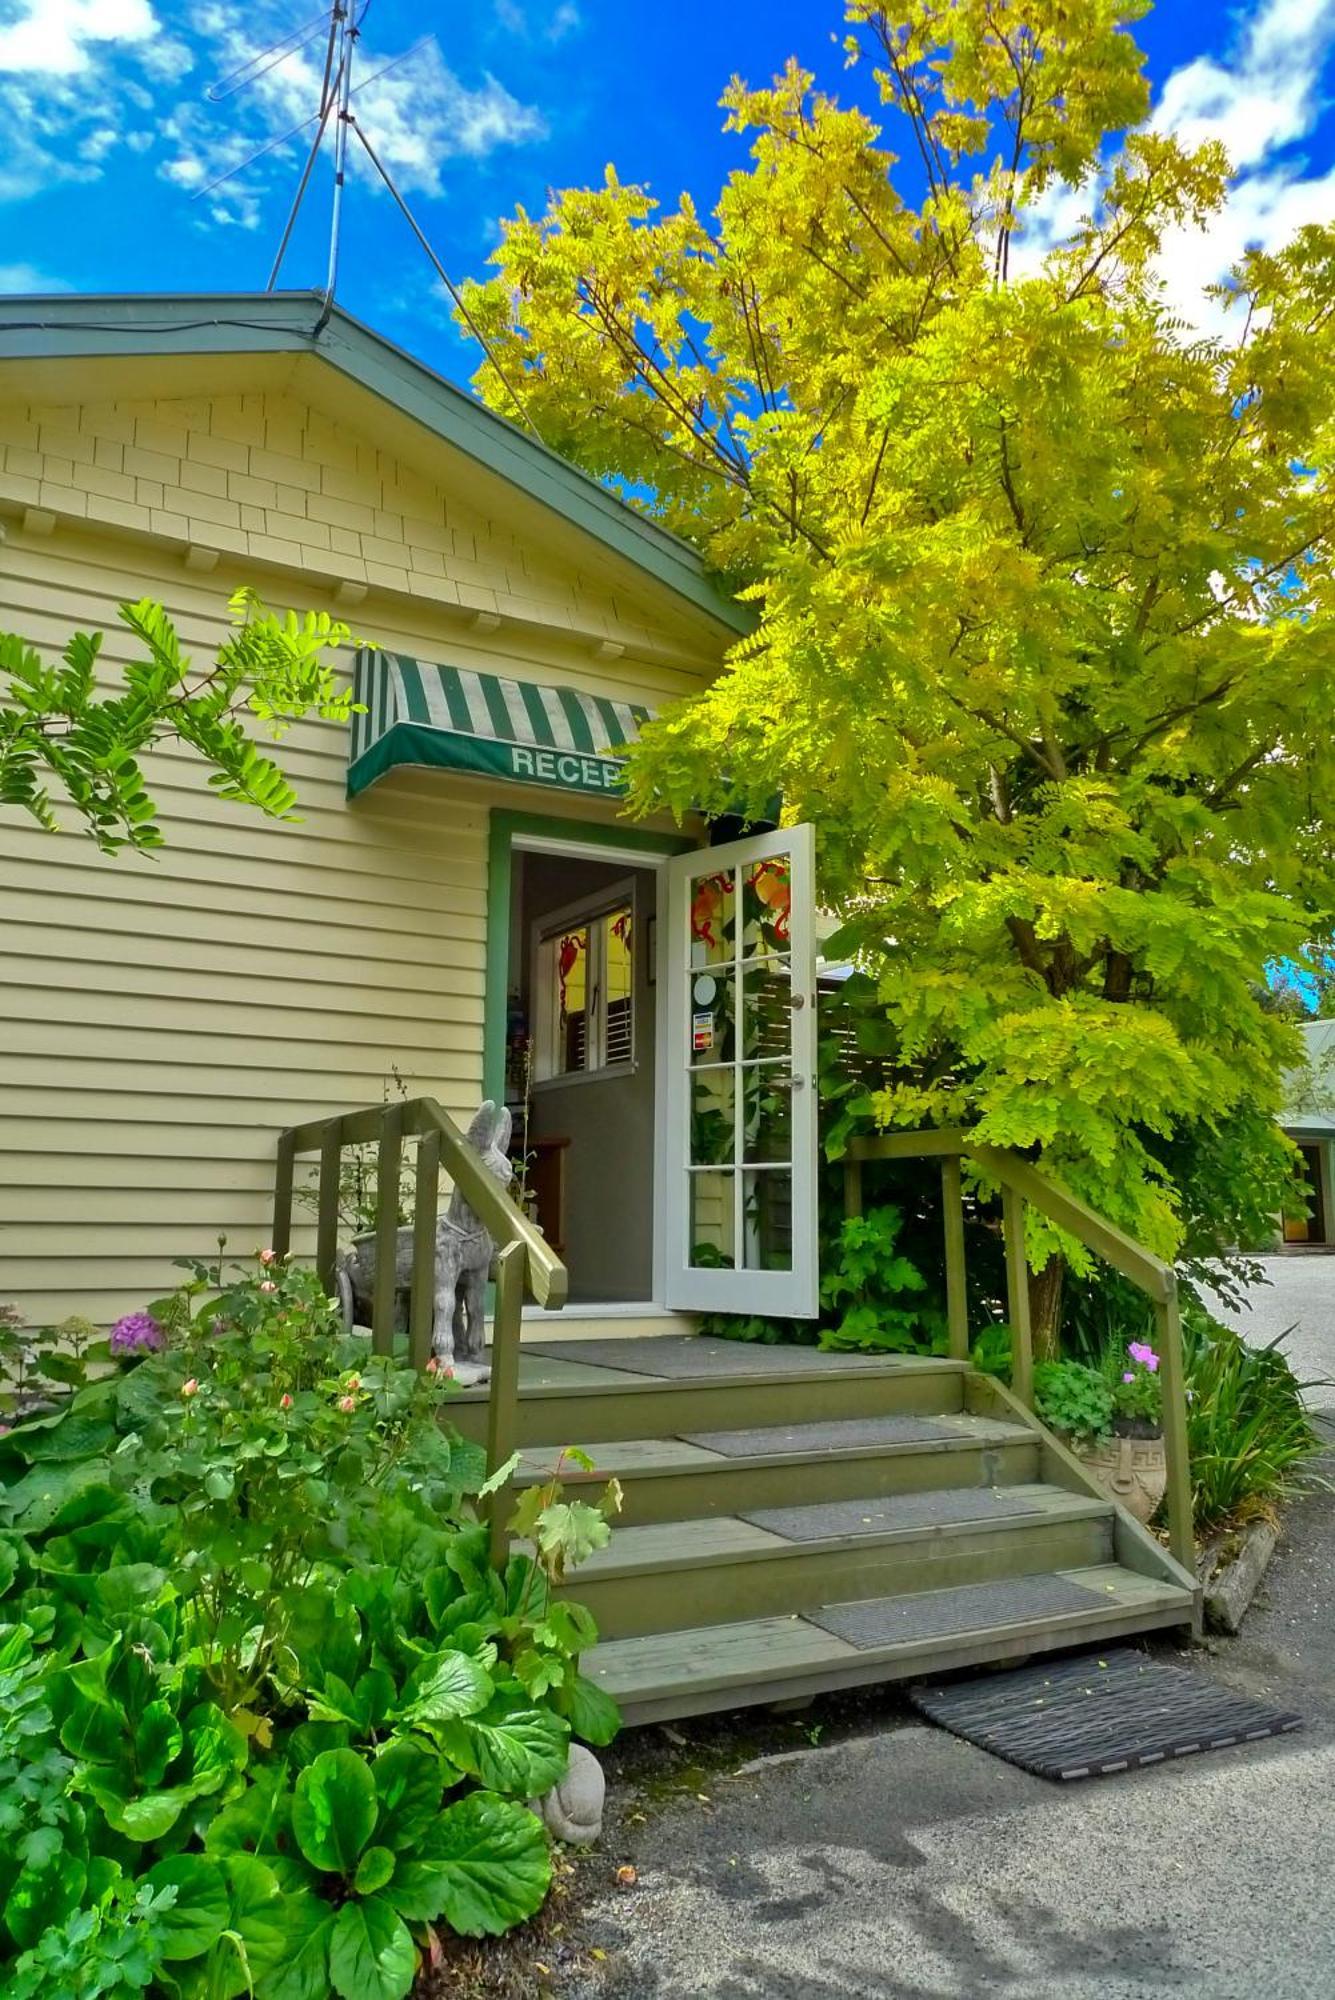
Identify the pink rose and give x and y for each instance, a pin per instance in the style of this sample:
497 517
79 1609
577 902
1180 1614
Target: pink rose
285 1402
347 1402
432 1365
268 1286
268 1256
190 1388
354 1382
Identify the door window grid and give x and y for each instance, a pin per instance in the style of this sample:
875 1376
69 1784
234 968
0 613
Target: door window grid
740 1189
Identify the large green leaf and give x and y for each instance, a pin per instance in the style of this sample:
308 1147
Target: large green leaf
511 1747
256 1822
592 1715
444 1686
373 1870
371 1955
127 1588
303 1971
46 1890
494 1864
257 1919
334 1810
157 1741
199 1915
409 1780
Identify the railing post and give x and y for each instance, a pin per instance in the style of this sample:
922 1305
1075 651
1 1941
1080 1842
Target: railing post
1017 1296
326 1218
503 1407
280 1236
1172 1380
423 1302
957 1297
388 1161
852 1187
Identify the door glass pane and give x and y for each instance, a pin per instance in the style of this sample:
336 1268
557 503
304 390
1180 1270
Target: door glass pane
767 1219
572 978
714 918
712 1123
767 894
767 1099
710 1015
767 1022
713 1234
619 961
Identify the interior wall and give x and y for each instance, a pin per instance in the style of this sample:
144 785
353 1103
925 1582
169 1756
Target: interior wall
608 1120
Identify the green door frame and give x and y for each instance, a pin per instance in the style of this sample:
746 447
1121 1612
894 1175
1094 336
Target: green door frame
504 828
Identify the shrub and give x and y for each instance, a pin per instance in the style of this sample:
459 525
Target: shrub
267 1714
1251 1440
1074 1399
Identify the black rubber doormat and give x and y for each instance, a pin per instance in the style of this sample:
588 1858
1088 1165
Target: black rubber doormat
1097 1713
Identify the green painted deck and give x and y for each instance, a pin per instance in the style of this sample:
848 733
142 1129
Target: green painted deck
778 1499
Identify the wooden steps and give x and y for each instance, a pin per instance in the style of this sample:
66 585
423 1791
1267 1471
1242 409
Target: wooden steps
796 1521
698 1668
721 1562
673 1479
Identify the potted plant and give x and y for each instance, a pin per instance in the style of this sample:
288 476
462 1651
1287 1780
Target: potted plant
1111 1418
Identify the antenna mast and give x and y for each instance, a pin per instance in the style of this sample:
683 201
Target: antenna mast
336 93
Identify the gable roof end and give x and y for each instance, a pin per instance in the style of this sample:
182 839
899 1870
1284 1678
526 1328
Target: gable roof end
81 328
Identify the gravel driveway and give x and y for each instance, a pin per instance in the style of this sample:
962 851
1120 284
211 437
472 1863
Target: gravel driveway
1298 1294
885 1860
892 1862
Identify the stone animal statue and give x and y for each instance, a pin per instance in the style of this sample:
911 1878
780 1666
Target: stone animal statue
464 1250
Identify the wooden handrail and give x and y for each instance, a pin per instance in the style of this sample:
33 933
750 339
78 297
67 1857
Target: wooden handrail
505 1220
1024 1185
525 1259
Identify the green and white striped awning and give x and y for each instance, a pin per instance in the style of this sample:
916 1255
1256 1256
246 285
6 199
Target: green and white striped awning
458 720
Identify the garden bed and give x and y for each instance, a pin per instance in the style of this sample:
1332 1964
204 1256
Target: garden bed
269 1719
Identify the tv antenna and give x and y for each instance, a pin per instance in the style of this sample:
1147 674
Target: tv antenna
341 28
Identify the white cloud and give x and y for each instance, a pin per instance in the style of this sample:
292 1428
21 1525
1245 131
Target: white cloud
29 278
53 37
1265 95
67 69
418 115
541 23
1260 101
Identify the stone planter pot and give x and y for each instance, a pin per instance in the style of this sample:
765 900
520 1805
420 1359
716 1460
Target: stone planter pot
1131 1470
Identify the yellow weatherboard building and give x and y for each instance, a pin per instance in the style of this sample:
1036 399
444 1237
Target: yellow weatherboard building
166 1016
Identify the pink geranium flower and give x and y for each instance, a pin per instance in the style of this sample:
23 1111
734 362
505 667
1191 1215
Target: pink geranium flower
1140 1351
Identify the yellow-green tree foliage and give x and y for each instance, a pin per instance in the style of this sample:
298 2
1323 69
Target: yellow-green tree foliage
1043 578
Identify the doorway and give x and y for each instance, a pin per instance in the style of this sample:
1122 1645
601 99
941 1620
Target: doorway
1310 1228
581 1051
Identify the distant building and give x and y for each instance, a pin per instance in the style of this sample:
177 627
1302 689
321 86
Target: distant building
1309 1119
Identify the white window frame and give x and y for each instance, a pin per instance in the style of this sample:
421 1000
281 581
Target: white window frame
546 1027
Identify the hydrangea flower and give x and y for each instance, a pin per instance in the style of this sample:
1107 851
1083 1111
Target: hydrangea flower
137 1333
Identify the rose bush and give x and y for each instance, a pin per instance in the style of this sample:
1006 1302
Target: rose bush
267 1713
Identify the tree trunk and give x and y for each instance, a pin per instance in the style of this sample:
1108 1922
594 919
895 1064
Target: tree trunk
1045 1309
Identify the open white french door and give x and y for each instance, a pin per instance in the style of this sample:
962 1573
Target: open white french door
740 1099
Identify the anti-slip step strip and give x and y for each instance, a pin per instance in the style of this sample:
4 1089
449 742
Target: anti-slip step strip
1098 1713
939 1508
684 1357
842 1434
937 1614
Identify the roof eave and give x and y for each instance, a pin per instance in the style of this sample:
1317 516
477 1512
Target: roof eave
60 326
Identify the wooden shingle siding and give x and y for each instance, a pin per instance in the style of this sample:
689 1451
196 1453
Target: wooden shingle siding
165 1017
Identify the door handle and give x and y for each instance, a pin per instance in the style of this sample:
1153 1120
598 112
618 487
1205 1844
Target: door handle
786 1083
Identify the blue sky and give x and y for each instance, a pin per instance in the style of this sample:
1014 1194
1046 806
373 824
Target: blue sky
110 136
